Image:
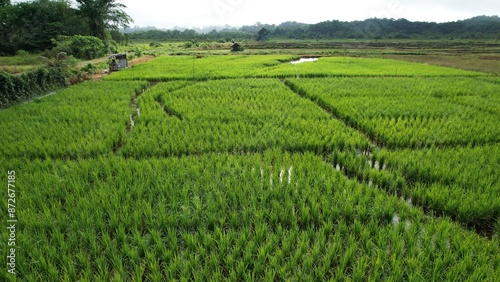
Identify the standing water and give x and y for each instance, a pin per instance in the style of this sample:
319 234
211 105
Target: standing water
304 60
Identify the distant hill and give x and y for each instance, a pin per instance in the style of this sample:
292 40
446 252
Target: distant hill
480 27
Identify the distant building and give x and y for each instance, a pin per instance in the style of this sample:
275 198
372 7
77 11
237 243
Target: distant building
118 62
236 47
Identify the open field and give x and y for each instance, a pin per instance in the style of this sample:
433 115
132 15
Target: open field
232 168
481 55
278 66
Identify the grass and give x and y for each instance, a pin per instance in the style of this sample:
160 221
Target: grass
233 116
258 179
488 63
84 120
276 66
411 112
20 63
257 216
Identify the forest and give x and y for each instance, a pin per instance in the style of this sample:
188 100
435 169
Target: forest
35 26
480 27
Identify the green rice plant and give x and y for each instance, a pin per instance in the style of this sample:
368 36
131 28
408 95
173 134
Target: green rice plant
462 183
330 227
410 113
364 67
279 66
233 116
85 120
206 67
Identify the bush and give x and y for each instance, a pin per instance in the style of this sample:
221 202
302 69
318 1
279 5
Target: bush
138 52
155 44
89 68
111 47
81 47
14 89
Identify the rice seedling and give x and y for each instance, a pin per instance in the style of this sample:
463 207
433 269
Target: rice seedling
233 116
255 179
274 66
410 113
462 183
329 226
85 120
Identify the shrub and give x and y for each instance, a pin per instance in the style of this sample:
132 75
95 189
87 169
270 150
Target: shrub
14 89
81 47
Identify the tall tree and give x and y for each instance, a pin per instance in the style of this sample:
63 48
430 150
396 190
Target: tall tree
103 15
31 25
4 3
262 34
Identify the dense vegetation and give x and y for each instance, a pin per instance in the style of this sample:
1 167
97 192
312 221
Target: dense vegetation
258 217
482 27
404 112
30 84
253 171
68 124
222 116
32 26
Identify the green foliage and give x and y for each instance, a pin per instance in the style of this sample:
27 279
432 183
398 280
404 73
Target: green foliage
138 52
14 89
31 25
103 15
467 176
482 27
256 217
155 44
81 47
22 59
263 34
89 68
59 60
252 179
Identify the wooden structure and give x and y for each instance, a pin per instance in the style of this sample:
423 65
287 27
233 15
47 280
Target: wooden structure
236 47
118 62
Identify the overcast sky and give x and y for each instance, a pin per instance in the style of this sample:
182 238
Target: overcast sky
200 13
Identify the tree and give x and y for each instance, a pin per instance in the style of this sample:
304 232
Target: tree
262 34
103 15
4 3
31 25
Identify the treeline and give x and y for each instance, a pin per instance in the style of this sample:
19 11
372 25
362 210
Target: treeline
33 26
482 27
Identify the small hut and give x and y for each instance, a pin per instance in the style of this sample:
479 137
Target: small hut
236 47
118 62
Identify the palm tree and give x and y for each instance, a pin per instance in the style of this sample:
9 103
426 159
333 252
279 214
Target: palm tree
103 15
